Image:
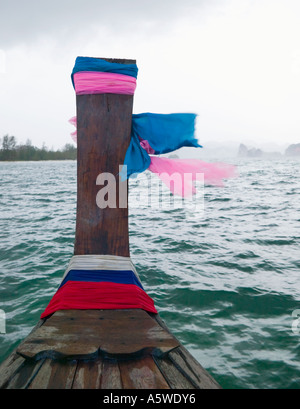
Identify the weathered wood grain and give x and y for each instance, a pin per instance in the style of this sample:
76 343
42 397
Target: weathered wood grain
88 374
25 374
142 374
183 361
54 375
191 369
173 376
12 364
111 377
9 368
103 136
82 334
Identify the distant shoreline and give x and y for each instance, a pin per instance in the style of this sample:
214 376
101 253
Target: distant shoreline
37 160
10 151
292 151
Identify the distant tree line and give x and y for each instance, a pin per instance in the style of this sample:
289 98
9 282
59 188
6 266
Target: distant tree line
11 151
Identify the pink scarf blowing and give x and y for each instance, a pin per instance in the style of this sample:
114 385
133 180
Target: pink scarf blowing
179 175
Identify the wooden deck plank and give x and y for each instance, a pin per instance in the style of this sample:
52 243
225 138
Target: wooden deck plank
81 333
88 374
111 377
142 374
54 375
9 368
191 369
173 376
14 361
25 374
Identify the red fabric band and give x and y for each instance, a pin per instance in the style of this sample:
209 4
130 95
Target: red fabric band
76 295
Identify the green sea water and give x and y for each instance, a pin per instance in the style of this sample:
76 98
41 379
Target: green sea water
225 281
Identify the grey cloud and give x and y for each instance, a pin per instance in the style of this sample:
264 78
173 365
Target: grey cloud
25 21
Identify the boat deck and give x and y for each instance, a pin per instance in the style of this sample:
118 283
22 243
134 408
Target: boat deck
103 349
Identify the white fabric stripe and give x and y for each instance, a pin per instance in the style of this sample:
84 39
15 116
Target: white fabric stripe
100 262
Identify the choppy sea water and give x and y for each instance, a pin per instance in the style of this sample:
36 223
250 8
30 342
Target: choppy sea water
226 281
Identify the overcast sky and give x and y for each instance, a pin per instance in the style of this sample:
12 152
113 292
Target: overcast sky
236 63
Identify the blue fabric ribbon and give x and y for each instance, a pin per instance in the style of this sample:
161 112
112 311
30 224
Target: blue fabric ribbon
120 277
98 64
164 132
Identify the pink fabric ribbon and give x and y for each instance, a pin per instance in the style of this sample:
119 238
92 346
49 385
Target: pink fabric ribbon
145 145
179 175
94 82
73 121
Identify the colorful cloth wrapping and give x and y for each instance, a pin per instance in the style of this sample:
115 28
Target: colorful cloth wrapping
120 277
78 295
93 82
100 282
100 262
100 65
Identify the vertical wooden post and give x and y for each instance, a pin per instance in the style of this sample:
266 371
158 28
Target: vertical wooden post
103 135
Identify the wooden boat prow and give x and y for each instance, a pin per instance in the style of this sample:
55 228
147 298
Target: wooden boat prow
146 356
102 348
